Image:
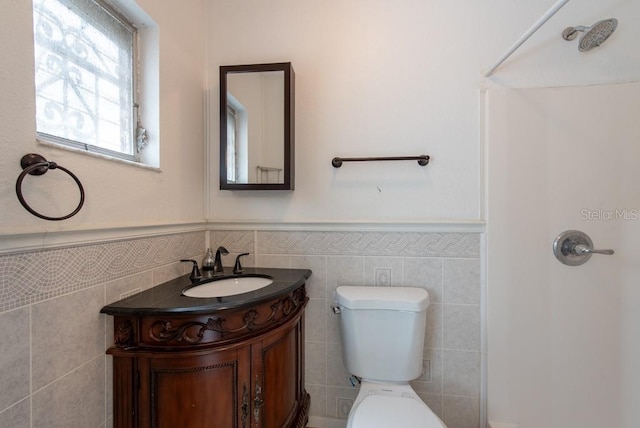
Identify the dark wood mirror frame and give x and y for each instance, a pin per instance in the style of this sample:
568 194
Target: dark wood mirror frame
289 125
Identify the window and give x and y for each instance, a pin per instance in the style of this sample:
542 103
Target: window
237 141
232 125
84 72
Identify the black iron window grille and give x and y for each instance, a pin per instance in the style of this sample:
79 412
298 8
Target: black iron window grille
84 71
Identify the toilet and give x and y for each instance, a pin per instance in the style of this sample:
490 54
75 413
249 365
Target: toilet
383 332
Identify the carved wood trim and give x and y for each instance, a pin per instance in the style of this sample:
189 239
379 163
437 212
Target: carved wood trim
303 411
245 405
192 332
124 334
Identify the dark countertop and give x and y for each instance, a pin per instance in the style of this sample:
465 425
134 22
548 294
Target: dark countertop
167 298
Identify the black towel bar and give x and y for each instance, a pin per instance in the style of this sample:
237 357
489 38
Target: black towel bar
423 160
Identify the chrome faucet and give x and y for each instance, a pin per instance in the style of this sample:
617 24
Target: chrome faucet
217 264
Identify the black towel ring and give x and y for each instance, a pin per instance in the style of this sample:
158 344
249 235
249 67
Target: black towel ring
35 164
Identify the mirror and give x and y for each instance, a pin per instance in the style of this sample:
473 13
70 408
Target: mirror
257 127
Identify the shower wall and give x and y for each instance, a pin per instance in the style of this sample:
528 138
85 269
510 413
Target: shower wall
563 341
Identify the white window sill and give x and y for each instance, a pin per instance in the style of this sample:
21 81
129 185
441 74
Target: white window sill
98 155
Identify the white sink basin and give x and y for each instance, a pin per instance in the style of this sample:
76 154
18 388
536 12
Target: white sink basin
228 286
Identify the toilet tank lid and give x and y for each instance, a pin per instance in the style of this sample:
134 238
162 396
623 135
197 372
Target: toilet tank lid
411 299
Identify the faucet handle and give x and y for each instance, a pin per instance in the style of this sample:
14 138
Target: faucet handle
195 272
237 267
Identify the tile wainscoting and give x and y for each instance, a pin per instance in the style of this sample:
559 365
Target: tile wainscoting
53 367
52 364
446 264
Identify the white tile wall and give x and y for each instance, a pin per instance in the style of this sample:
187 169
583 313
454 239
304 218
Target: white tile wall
33 276
445 264
46 294
15 370
17 416
53 367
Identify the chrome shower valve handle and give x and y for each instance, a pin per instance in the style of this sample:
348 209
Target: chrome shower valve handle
574 248
581 249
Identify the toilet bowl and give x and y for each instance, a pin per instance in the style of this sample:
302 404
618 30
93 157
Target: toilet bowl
382 331
381 405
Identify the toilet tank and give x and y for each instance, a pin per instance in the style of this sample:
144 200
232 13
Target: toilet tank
383 331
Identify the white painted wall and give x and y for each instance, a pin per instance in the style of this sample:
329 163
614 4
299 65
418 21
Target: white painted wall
373 78
116 194
379 78
362 89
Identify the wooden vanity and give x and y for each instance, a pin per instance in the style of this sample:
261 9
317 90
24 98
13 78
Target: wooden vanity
223 362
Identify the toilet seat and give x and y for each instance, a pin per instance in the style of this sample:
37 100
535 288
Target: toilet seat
389 411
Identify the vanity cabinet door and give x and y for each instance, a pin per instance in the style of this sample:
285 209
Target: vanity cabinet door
196 390
278 378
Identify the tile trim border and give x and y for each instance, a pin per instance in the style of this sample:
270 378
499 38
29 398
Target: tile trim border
30 239
48 239
385 244
32 276
442 226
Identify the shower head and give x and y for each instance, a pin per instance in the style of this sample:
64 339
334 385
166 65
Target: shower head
593 36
